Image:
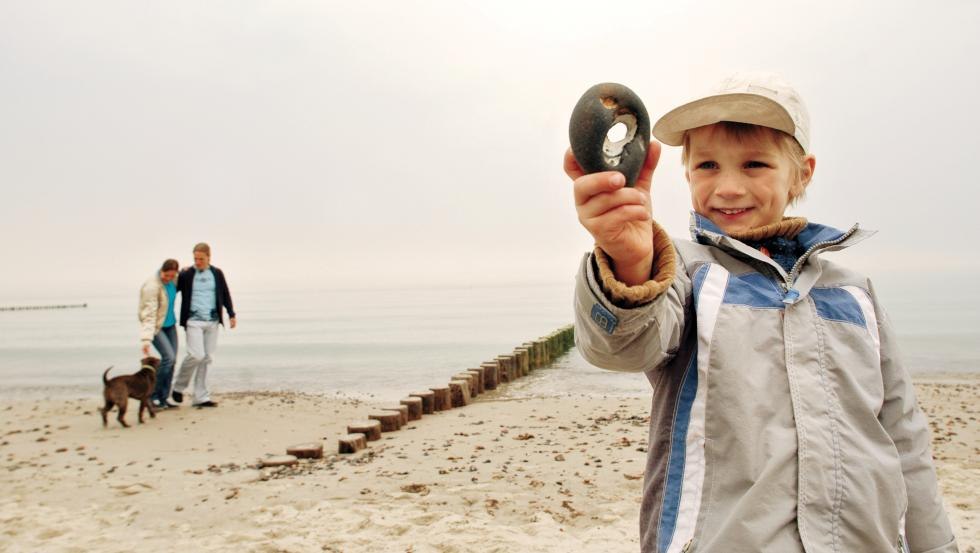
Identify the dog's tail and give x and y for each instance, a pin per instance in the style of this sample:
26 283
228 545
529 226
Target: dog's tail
106 373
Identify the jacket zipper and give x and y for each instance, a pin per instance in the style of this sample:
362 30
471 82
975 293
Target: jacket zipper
787 283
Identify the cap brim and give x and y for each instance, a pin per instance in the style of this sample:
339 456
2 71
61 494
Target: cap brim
738 107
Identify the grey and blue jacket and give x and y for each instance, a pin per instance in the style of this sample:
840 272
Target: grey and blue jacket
783 419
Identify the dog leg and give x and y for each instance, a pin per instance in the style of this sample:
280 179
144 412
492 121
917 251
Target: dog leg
122 413
105 411
146 404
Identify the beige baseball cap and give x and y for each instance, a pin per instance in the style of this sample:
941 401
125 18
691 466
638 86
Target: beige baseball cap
754 97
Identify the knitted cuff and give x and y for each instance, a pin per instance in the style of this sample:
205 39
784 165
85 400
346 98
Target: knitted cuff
662 274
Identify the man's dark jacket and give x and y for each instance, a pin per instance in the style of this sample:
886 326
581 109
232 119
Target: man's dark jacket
222 297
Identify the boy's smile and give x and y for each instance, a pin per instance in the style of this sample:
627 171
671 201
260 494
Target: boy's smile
741 183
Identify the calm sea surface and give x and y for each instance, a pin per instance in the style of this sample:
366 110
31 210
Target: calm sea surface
387 343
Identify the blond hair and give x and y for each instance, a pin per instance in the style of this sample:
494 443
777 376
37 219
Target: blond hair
203 248
744 132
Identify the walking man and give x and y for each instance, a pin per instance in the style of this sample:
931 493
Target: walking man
203 293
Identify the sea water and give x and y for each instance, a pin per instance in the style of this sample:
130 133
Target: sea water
385 343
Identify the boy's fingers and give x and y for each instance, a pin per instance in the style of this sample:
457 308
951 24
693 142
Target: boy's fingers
649 165
587 186
572 168
615 219
583 190
601 203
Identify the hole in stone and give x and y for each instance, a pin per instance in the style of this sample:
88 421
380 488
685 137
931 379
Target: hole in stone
617 132
618 137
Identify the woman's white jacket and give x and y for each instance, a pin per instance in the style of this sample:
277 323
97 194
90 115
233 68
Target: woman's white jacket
152 309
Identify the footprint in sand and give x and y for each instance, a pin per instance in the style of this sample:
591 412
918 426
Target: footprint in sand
131 489
50 533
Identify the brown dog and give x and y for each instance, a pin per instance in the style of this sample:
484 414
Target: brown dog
139 386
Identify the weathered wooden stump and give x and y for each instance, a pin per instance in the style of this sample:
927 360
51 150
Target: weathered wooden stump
478 375
504 373
491 375
471 380
414 405
402 411
555 338
538 351
390 420
443 398
279 461
310 450
542 352
460 391
515 368
370 428
520 360
428 401
546 349
532 361
351 443
507 367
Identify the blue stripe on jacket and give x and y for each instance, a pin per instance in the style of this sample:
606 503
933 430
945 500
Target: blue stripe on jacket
674 480
837 304
678 455
753 290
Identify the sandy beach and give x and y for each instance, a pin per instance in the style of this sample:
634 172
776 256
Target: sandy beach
538 474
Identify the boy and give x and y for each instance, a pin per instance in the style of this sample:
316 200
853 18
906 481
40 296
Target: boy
782 419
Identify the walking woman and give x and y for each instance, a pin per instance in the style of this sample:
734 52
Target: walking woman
158 326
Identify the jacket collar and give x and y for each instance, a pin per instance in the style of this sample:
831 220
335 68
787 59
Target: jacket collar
703 231
813 237
787 228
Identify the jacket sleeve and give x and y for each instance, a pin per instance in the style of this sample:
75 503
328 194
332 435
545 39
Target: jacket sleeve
181 281
927 528
631 329
229 307
149 303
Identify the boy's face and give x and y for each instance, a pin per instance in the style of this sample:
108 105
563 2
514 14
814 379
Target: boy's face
737 184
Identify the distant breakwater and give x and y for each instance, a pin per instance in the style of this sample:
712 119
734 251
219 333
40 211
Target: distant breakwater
43 307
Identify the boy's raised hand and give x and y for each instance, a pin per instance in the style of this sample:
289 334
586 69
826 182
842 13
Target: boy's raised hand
617 217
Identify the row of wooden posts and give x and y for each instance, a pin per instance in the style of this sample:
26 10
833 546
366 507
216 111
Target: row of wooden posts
461 390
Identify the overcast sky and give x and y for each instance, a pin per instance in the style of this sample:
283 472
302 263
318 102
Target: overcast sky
395 142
